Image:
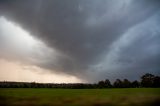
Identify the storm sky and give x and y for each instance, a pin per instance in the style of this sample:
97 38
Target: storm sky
79 40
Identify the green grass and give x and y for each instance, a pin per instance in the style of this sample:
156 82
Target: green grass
79 97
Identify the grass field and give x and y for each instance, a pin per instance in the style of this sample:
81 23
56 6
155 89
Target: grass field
79 97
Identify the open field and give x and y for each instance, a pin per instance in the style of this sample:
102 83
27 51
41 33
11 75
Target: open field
79 97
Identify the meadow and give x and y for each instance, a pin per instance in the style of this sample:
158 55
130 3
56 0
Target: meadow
79 97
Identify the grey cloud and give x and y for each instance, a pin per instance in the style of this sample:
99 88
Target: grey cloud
135 53
81 30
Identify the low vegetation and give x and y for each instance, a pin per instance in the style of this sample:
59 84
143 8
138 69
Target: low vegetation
79 97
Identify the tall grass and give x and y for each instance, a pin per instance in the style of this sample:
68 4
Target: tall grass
79 97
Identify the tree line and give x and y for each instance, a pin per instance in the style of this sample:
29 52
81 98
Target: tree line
147 80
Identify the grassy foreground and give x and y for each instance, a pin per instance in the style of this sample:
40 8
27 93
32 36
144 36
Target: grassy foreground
79 97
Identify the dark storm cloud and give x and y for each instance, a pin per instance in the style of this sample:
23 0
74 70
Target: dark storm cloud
83 30
135 53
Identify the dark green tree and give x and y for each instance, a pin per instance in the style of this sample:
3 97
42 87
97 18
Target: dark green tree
107 83
101 84
156 81
126 83
135 84
147 80
118 83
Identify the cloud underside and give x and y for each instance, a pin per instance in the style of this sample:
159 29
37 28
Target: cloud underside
91 39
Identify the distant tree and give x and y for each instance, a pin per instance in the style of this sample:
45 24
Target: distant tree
118 83
156 81
135 84
147 80
126 83
107 83
101 84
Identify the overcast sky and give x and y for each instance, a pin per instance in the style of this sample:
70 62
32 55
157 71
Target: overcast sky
78 40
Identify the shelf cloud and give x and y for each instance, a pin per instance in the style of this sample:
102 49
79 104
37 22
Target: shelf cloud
89 39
